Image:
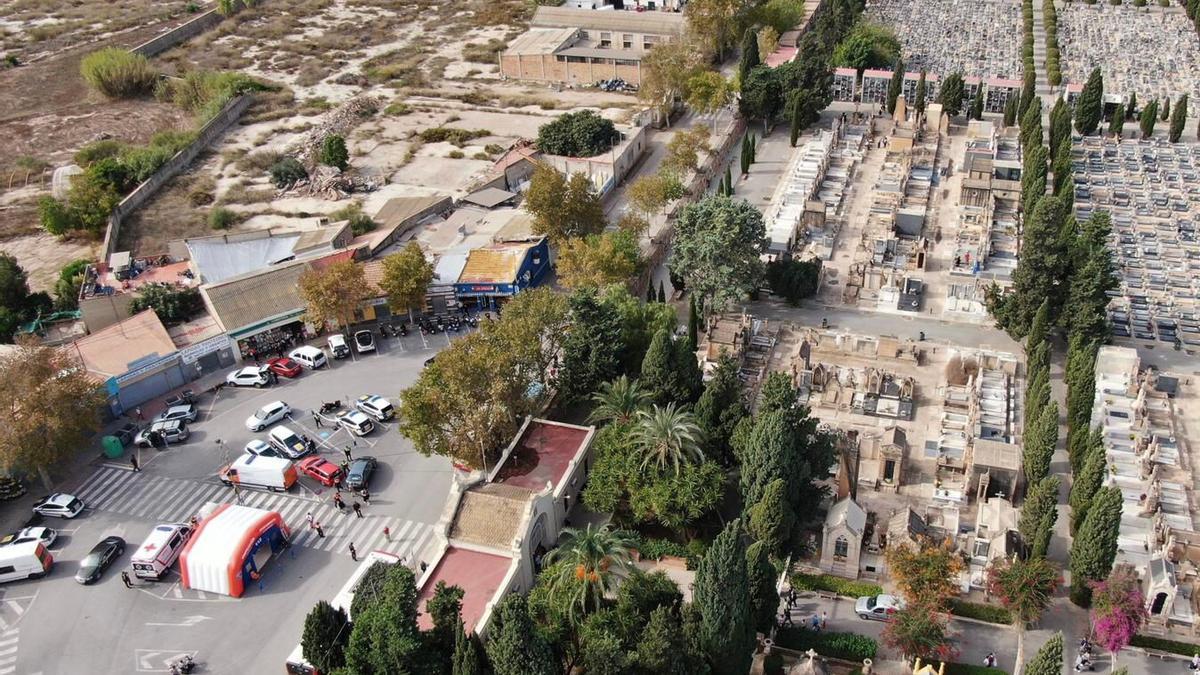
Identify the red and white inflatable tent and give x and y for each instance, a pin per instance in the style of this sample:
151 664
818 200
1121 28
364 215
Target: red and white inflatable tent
221 555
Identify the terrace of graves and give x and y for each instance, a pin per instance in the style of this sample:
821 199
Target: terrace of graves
1117 39
981 39
1152 190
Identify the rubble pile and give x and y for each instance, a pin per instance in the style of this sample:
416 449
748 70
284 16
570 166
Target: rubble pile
338 121
329 182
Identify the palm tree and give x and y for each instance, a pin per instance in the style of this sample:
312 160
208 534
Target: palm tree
1026 588
668 435
594 559
618 401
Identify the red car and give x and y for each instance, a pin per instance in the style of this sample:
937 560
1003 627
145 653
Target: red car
321 470
284 366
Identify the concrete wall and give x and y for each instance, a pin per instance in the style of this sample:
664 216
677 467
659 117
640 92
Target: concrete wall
607 169
205 137
548 68
187 31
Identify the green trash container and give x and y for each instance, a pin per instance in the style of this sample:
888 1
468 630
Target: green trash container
113 448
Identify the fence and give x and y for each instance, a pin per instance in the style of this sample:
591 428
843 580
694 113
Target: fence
208 133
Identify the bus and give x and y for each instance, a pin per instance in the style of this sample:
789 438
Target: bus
296 665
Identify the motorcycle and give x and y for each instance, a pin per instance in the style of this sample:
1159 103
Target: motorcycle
403 330
330 406
183 665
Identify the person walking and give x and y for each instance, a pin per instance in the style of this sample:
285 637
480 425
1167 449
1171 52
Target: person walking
337 501
353 552
320 530
786 619
137 412
125 579
346 451
387 534
990 660
134 463
317 420
824 619
366 496
357 509
816 623
310 520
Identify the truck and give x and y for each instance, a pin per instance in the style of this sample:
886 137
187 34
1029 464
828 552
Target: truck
259 471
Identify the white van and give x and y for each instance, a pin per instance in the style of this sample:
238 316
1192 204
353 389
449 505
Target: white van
308 356
156 555
337 346
29 560
258 471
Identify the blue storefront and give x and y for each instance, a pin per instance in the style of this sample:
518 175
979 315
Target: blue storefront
494 273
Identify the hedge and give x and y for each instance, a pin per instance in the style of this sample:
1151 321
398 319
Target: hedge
847 646
1165 645
970 669
655 549
832 584
980 611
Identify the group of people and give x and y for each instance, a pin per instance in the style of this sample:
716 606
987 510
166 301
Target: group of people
816 622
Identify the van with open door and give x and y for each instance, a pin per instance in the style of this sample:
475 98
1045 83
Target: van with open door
259 471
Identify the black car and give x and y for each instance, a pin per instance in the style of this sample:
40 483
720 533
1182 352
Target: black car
99 558
360 472
126 433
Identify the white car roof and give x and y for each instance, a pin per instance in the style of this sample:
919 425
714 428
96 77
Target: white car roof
273 405
60 498
182 407
373 399
250 369
258 445
356 416
281 432
336 338
307 349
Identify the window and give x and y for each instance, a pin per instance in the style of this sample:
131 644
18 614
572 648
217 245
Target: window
625 62
841 548
7 569
583 35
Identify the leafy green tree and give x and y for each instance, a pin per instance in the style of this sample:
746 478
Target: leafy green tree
1026 588
670 371
708 92
771 521
514 645
794 280
693 333
641 594
717 248
598 260
591 350
55 216
618 401
777 394
1010 111
287 172
922 93
895 86
662 648
563 207
1148 119
406 278
750 57
1040 444
1178 119
722 593
1089 479
639 322
334 152
326 634
869 45
764 599
1089 106
577 134
951 94
1049 659
1095 545
171 303
1038 514
762 94
720 408
602 651
594 560
385 637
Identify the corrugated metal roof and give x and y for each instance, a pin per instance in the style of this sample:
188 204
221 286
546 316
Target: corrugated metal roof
649 23
604 53
540 41
250 298
399 209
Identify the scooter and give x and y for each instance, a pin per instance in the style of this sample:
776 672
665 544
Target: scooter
403 330
183 665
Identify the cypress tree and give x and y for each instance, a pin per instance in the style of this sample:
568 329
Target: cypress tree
895 86
753 148
719 410
794 132
1090 105
771 520
921 95
1063 172
1038 515
1095 547
1165 113
1037 396
1049 659
1080 379
467 655
1028 91
1031 127
750 58
650 297
1038 271
1060 126
977 105
951 94
1116 124
1039 330
745 154
728 182
1178 119
763 598
693 321
1033 178
722 595
1040 443
1010 111
1131 109
515 646
326 634
1149 118
662 292
1088 479
670 371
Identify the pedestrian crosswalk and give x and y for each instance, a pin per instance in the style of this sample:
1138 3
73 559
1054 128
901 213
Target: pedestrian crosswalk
173 500
8 651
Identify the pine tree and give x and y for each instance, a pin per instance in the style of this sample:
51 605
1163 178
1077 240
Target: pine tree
1089 479
750 57
977 105
1178 119
921 95
764 599
1049 659
1039 513
1131 108
1095 546
771 520
951 94
1010 111
1165 113
895 86
1116 123
1040 444
1089 107
326 634
1149 118
722 594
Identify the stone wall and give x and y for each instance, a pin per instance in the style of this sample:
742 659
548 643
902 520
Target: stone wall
205 137
184 32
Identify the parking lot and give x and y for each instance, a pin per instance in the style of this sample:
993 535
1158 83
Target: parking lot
54 625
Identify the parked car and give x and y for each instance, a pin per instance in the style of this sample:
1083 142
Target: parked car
376 406
287 442
99 558
364 341
359 475
429 361
186 412
59 505
321 470
337 346
263 448
309 356
174 431
877 607
126 433
267 415
356 423
45 535
250 376
284 367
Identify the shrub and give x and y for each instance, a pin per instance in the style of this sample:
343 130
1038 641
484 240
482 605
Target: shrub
1164 645
117 73
205 92
848 646
171 303
287 172
360 223
262 160
832 584
221 218
579 134
334 152
55 217
451 135
191 8
980 611
971 669
397 109
485 52
493 149
656 549
97 151
31 163
455 154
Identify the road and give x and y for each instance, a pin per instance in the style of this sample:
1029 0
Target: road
54 625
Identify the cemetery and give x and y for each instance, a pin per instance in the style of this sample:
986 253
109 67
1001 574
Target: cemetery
945 36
